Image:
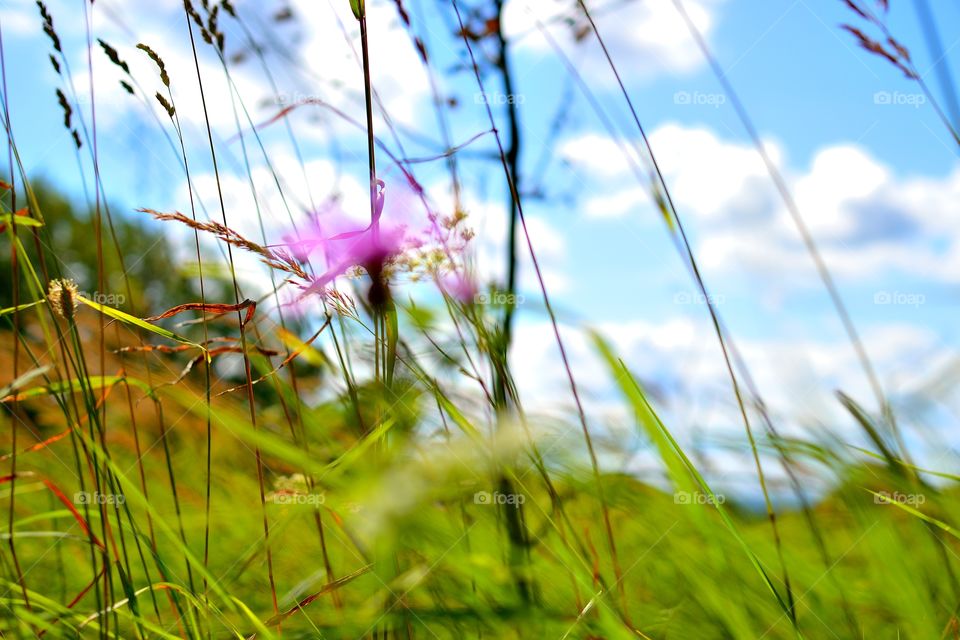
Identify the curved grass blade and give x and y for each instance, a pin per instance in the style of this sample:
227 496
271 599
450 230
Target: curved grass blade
78 384
20 381
23 221
639 396
327 588
20 307
126 318
915 512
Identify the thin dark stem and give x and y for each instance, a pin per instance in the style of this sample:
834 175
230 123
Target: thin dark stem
14 409
243 336
513 163
368 103
715 321
553 319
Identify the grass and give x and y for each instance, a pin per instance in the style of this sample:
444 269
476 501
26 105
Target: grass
212 461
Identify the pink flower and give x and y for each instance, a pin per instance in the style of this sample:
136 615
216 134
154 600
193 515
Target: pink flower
369 248
345 244
406 235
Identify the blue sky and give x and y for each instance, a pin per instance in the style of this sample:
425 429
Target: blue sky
873 169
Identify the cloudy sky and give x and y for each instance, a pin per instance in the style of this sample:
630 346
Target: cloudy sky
872 169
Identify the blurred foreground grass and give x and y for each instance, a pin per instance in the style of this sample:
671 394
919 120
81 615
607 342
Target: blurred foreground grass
407 531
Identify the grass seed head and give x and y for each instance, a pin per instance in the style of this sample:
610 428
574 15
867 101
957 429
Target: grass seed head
62 296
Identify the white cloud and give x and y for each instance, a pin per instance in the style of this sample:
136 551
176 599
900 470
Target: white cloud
162 26
184 85
865 219
21 20
706 175
395 67
680 362
599 156
711 177
645 38
323 38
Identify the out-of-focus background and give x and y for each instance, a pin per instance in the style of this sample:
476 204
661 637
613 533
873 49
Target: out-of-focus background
627 128
871 167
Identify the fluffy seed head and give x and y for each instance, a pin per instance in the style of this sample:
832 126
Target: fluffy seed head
62 296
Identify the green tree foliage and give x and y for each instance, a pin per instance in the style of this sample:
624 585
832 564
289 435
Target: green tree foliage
68 243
